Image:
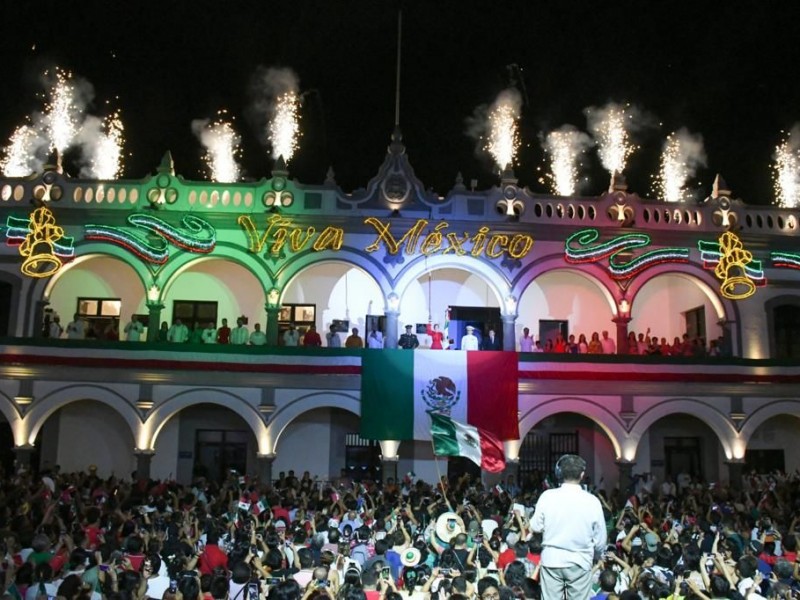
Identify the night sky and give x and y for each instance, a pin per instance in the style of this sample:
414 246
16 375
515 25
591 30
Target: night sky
726 70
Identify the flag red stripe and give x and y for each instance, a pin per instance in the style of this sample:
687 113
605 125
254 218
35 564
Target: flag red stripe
492 390
493 456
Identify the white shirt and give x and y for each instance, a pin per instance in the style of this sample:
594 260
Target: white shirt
291 337
469 342
178 333
375 340
258 338
134 331
526 344
573 526
239 335
609 347
209 335
75 330
56 330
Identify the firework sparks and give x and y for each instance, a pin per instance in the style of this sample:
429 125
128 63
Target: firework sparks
107 161
222 148
681 155
284 127
18 160
787 171
565 145
62 112
503 136
610 126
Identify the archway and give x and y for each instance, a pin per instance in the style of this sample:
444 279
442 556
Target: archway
104 289
83 432
562 433
331 293
337 446
681 446
211 289
672 304
565 300
772 445
204 439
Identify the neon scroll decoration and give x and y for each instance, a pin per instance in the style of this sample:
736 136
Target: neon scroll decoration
201 237
739 271
582 247
787 260
41 242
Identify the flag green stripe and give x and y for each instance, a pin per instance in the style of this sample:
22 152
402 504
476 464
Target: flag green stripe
387 395
443 433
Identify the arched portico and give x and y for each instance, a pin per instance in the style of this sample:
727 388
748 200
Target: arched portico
598 413
763 413
284 415
148 433
47 404
715 418
294 268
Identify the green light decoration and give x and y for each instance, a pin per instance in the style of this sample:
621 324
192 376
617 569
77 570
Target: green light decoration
739 271
201 237
581 248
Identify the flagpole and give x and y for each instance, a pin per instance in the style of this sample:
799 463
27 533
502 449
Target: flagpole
439 474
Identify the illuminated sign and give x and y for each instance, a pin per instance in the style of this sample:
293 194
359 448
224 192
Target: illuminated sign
199 238
40 241
787 260
419 238
582 247
739 271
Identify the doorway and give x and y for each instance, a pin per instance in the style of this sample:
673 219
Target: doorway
682 455
549 329
220 451
481 318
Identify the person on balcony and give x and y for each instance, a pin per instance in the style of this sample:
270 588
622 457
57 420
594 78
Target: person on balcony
609 347
468 341
240 335
133 330
291 337
178 333
409 340
375 339
224 333
595 346
258 337
312 338
332 337
196 335
491 342
353 340
435 335
56 330
210 334
76 329
526 341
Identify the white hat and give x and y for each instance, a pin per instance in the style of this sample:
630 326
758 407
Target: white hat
410 557
470 328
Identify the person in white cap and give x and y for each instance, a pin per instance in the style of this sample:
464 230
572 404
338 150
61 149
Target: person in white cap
469 341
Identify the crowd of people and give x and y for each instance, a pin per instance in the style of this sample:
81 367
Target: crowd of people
80 537
433 338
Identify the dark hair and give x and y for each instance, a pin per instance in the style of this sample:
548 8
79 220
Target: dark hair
285 590
747 565
219 588
381 546
608 580
719 586
570 467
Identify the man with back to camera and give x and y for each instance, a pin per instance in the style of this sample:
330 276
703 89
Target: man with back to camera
574 532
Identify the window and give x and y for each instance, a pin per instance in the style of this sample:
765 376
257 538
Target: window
194 311
696 322
786 331
362 458
302 316
101 316
540 452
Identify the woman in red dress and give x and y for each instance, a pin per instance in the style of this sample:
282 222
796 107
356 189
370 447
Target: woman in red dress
436 336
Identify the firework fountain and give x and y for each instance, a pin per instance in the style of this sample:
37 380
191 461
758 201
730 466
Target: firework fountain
787 170
222 147
610 126
565 146
682 154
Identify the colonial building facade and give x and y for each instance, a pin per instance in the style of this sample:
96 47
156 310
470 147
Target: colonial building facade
281 253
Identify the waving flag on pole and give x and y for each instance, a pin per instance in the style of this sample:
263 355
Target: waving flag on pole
451 438
446 331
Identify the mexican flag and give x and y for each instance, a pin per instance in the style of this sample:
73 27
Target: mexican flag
399 387
451 438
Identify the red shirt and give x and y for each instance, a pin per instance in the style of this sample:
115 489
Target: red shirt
224 335
436 337
311 338
211 558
